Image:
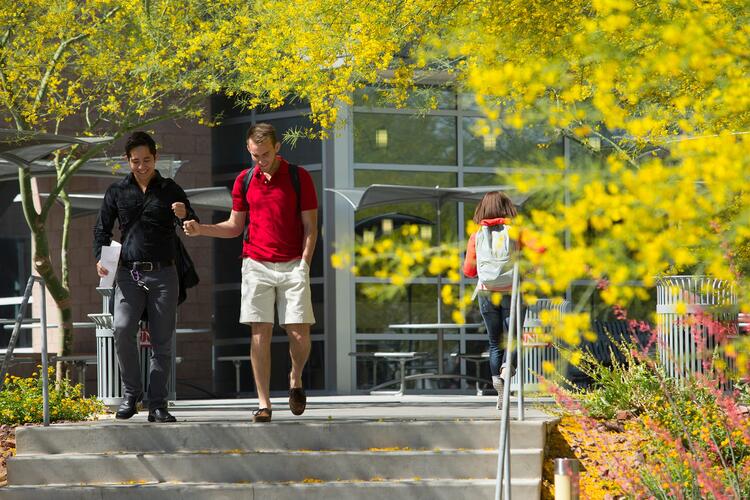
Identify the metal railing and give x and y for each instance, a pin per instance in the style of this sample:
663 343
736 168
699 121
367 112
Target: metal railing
694 314
503 451
14 338
515 341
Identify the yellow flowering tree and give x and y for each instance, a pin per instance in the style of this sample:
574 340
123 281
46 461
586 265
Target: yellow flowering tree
104 68
656 91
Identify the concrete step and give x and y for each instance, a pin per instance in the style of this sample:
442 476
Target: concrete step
112 437
428 489
226 467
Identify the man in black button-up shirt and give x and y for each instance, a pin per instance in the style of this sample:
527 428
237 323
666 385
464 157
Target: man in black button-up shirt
145 204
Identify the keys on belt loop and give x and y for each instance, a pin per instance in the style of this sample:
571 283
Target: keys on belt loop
136 275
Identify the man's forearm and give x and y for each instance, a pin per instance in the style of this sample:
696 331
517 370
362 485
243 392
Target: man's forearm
220 230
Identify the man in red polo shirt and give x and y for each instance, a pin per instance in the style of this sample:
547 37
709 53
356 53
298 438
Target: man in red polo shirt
282 231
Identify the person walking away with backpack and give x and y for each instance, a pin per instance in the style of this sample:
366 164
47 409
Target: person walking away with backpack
280 202
490 254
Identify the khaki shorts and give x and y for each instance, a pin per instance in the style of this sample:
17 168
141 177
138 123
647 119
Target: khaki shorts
285 283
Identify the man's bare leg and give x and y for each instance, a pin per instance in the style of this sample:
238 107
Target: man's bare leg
260 357
299 351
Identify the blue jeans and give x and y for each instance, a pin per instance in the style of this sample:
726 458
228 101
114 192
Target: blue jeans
496 320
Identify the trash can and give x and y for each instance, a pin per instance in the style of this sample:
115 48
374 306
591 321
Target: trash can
695 315
109 383
536 348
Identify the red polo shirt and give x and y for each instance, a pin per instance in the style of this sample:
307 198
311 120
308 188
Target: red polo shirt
276 231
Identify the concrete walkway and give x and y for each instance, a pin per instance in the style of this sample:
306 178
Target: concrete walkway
346 408
415 447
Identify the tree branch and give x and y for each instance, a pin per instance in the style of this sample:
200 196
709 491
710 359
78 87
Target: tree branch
56 58
96 149
27 202
20 123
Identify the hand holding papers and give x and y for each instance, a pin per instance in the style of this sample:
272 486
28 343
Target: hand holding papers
109 258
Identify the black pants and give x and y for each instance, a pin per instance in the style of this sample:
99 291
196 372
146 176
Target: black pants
160 302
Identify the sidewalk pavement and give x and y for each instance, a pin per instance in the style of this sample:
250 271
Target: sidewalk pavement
346 408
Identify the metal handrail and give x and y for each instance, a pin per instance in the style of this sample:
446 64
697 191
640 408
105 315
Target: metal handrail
14 338
503 461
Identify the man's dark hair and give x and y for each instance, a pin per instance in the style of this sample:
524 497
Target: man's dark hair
260 132
140 139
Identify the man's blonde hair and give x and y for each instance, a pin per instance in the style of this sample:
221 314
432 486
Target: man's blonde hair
259 132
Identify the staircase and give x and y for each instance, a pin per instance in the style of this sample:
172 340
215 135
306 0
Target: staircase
440 459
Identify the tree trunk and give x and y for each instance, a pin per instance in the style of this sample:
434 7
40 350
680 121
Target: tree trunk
59 293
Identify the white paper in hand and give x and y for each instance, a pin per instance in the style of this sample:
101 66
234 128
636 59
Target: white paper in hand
109 258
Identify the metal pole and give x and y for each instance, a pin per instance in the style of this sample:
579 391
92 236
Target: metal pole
45 375
439 299
521 369
566 479
503 462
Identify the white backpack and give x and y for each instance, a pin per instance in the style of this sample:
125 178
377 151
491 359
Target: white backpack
495 253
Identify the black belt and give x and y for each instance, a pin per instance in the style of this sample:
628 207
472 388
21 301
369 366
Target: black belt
145 266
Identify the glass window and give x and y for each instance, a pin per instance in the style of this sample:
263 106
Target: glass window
404 139
365 177
422 97
468 102
227 315
303 151
232 107
406 210
227 107
15 269
15 247
584 157
228 150
529 145
416 303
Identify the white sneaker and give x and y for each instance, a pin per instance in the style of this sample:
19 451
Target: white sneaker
499 385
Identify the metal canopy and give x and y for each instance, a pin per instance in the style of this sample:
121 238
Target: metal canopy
168 166
211 198
22 148
382 194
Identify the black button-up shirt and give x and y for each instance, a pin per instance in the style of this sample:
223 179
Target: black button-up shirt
147 221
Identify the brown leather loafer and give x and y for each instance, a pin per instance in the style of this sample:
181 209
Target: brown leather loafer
297 401
262 415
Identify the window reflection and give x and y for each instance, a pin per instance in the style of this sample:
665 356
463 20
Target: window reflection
404 139
529 145
420 98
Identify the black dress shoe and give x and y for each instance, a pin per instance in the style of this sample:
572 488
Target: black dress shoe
129 407
160 415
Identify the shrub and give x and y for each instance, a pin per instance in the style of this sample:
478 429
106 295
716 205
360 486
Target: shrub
694 439
21 401
628 385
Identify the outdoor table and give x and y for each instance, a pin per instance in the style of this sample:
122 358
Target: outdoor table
439 329
401 357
